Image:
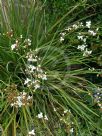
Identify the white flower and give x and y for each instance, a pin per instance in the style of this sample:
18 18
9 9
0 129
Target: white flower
31 68
29 97
81 24
27 81
28 41
54 109
87 53
63 34
68 29
39 69
45 117
19 98
69 111
80 37
75 26
21 36
81 47
44 77
19 103
92 32
91 69
97 29
39 75
71 130
12 104
40 115
99 104
24 93
84 40
32 60
31 133
65 111
13 46
88 24
61 39
37 86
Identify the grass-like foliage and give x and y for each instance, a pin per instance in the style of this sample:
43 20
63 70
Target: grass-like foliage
45 70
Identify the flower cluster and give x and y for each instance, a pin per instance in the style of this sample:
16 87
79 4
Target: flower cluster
19 100
83 39
62 36
71 28
15 46
27 42
83 46
41 116
65 112
66 116
34 71
9 34
82 36
98 97
74 26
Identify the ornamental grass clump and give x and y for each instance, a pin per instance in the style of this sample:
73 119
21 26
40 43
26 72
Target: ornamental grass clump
44 89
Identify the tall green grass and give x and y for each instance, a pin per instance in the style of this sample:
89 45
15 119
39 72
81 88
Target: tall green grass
65 96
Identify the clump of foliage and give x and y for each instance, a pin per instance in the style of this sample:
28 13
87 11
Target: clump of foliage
43 85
